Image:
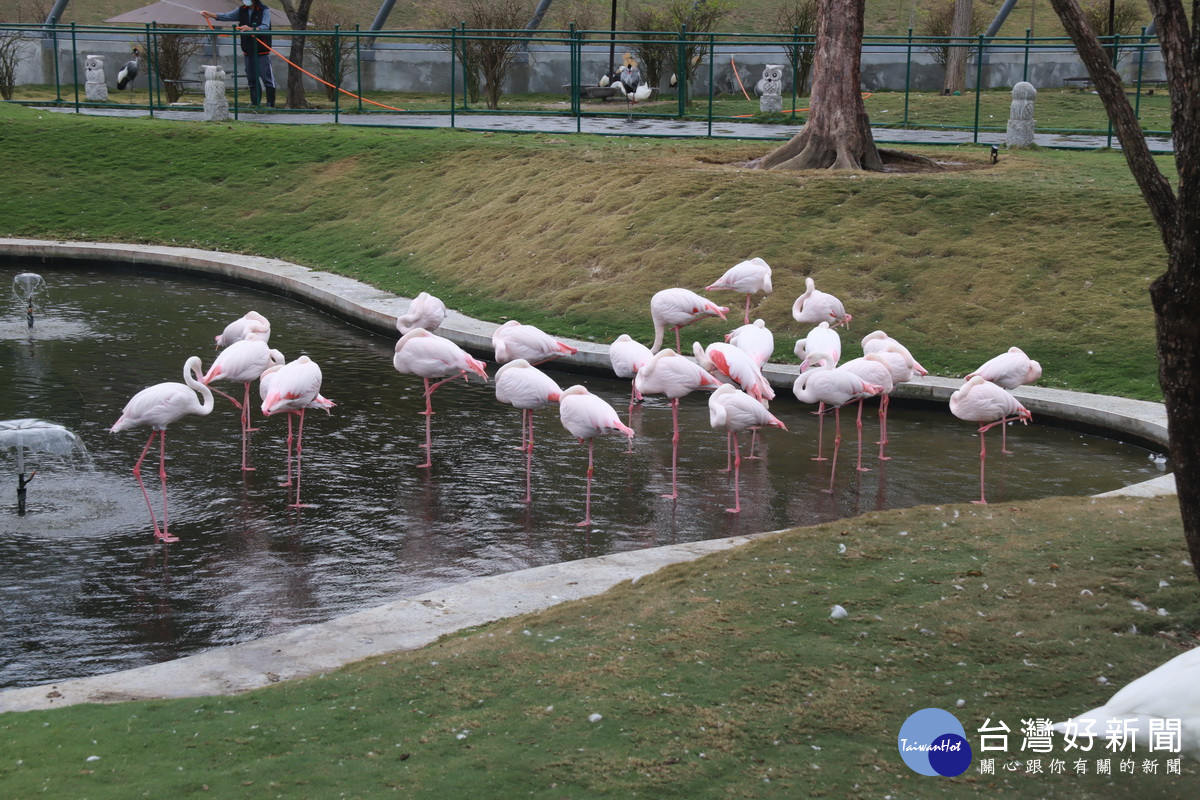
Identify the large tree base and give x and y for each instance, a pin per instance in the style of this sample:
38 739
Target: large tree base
821 150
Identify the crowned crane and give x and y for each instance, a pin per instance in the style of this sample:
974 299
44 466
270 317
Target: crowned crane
128 73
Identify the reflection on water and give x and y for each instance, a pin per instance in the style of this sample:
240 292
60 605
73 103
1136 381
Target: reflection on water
83 589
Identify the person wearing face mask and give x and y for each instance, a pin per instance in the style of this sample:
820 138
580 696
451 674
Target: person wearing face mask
252 15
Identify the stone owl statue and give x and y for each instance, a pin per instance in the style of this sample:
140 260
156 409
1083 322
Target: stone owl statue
770 89
95 86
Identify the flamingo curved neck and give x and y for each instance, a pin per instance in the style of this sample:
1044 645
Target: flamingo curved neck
193 378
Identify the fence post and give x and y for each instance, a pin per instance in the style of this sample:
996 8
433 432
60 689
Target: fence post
75 67
1137 97
576 72
710 83
1025 66
358 66
233 39
681 74
465 67
907 73
337 71
151 62
54 40
978 86
453 61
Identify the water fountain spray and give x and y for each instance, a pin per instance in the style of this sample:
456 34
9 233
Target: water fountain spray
25 287
36 436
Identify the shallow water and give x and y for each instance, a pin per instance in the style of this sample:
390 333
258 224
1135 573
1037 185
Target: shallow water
84 590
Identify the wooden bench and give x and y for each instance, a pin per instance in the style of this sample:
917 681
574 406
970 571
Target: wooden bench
1084 82
196 86
604 92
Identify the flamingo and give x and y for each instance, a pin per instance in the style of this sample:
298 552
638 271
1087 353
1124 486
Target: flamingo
243 362
1009 370
158 406
1170 691
814 307
627 357
252 325
980 400
755 339
424 311
675 308
291 389
875 341
672 375
513 340
872 368
821 339
587 416
526 387
735 411
903 368
832 388
748 277
729 364
428 355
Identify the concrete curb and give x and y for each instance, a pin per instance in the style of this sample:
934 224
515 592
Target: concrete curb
414 622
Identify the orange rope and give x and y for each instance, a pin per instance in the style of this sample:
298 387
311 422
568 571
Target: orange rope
309 74
739 79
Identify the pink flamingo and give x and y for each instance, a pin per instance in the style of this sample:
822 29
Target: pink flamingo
243 362
748 277
252 325
291 389
755 340
675 308
513 340
980 400
876 341
729 364
814 307
158 406
428 355
424 311
830 387
672 375
822 339
586 416
1008 371
627 357
526 387
874 369
903 368
735 411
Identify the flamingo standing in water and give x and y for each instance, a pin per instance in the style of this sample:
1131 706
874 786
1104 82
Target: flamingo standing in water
755 340
729 364
428 355
830 387
627 356
513 340
822 339
158 406
526 387
814 307
872 368
675 308
980 400
748 277
291 389
252 325
734 411
903 367
425 311
243 362
1008 371
586 416
674 376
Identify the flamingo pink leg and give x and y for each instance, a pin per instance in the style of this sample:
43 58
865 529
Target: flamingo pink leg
246 430
678 346
288 482
747 308
1004 441
674 450
982 501
883 437
248 409
753 444
587 503
529 458
737 471
299 451
837 442
428 412
820 412
162 476
728 453
858 424
137 473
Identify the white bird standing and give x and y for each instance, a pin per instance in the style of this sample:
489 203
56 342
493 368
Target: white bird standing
730 364
243 362
674 376
822 339
158 406
814 307
428 355
903 368
754 339
980 400
873 369
127 73
627 356
830 387
587 416
877 341
734 411
1009 370
425 311
291 389
748 277
1168 692
526 387
512 340
252 325
676 308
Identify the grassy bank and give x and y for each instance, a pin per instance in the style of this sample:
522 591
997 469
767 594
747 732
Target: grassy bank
1051 251
720 678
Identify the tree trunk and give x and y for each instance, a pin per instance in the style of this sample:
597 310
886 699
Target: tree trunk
956 60
298 17
838 132
1175 295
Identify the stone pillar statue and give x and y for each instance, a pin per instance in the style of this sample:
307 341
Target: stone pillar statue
770 89
1020 116
96 86
216 104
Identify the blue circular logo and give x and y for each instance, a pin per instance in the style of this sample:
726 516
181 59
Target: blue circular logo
933 742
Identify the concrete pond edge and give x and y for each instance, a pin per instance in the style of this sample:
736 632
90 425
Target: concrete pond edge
410 623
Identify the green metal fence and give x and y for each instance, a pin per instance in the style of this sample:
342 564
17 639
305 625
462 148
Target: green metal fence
704 58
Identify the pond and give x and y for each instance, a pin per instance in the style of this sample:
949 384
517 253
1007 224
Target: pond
85 590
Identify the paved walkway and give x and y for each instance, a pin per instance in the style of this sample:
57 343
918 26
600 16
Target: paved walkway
616 126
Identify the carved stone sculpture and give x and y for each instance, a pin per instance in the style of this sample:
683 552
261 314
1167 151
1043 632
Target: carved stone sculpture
216 104
96 87
770 89
1020 116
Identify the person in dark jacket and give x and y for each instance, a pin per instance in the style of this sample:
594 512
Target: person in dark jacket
252 15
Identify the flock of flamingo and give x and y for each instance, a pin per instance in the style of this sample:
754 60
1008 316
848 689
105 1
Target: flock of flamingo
731 370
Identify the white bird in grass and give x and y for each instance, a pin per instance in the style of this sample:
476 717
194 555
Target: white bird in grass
753 275
425 311
815 307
